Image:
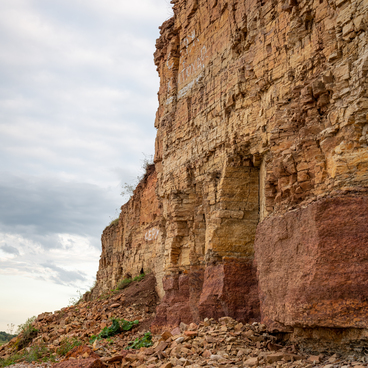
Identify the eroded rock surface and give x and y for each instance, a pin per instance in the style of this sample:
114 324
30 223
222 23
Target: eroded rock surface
261 134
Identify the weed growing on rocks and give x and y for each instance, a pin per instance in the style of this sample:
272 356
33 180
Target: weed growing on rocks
122 284
118 325
12 359
27 332
140 277
77 300
144 342
36 353
68 344
127 325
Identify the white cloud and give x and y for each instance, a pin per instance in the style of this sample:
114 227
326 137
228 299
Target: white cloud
77 106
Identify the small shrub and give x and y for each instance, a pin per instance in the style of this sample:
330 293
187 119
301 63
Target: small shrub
26 325
114 222
77 300
117 326
127 189
140 277
127 325
26 333
68 344
113 330
143 342
122 284
36 353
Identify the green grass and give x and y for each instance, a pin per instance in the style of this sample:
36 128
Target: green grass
140 277
122 284
14 358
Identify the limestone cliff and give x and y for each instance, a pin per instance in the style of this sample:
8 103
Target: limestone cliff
257 207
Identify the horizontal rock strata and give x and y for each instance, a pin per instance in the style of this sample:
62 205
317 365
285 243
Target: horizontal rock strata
261 133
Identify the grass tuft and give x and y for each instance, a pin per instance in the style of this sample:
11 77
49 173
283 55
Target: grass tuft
68 344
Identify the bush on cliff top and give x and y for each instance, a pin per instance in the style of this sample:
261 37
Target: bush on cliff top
114 222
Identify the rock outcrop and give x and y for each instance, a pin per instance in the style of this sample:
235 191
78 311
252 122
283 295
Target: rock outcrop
258 202
132 245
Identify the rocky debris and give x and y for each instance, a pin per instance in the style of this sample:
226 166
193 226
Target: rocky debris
228 343
58 331
223 343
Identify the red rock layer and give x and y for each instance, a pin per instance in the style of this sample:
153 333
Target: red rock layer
225 289
313 265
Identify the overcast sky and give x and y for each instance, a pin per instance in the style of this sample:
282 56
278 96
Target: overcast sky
78 95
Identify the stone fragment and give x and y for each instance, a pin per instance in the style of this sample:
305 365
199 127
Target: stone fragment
161 346
114 358
131 357
166 334
176 331
166 365
191 334
251 362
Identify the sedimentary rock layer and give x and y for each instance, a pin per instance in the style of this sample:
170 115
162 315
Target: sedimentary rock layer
313 265
261 128
131 246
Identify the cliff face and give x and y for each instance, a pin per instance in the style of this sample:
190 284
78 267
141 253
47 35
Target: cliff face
260 204
132 246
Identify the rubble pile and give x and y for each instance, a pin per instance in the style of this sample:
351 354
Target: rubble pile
77 324
210 343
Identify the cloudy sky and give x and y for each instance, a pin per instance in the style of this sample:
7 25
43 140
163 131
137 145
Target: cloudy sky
78 95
